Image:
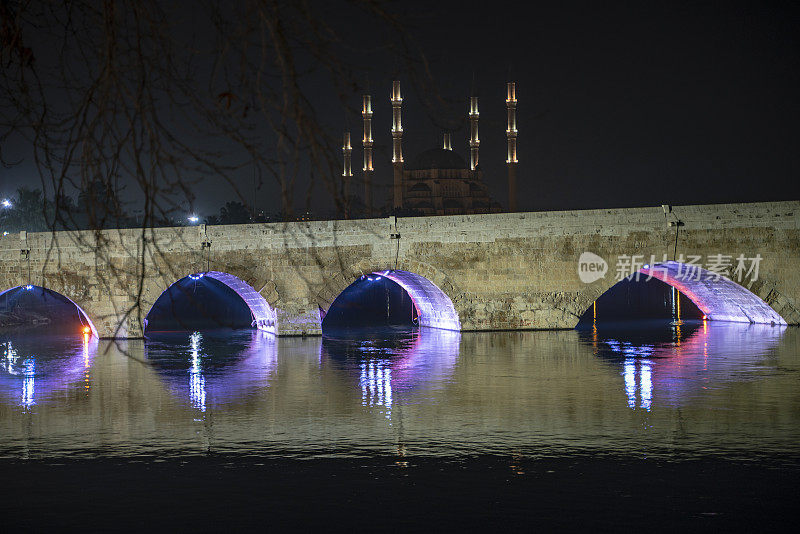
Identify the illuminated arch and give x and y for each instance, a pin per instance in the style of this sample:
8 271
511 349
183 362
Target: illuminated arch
264 316
82 315
719 298
434 308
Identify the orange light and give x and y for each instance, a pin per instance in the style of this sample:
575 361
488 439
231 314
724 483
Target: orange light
704 317
87 330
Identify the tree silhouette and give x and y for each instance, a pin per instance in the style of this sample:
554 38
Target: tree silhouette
234 212
99 206
27 212
117 93
126 93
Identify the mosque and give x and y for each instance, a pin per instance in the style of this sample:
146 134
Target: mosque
438 181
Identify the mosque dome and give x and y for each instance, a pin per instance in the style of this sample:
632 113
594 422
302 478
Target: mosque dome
438 158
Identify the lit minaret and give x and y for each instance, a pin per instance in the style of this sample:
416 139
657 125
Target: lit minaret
347 150
397 144
474 142
446 144
511 136
366 114
347 171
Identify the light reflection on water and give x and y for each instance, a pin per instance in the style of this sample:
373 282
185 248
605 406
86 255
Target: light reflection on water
197 382
393 364
688 389
215 367
35 368
678 364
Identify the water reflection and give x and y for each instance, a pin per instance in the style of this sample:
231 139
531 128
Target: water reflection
32 368
197 382
668 363
393 364
724 389
213 367
638 380
376 384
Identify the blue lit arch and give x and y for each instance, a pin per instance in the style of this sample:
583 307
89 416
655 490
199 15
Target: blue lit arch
717 297
83 317
434 307
264 317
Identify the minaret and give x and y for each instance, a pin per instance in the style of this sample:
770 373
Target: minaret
366 114
397 144
511 136
347 171
347 150
446 144
474 142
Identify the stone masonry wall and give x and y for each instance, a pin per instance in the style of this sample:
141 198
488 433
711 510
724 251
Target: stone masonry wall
502 271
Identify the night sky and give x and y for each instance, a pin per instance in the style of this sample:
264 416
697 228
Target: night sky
620 104
635 103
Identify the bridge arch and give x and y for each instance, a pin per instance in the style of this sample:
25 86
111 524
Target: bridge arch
83 317
430 291
264 316
718 297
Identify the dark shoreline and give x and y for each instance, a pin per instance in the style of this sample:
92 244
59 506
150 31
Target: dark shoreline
235 493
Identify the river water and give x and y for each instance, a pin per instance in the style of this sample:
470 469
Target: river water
681 394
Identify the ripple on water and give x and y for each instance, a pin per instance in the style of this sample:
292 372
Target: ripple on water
669 391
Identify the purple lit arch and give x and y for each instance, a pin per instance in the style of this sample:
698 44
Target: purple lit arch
82 315
434 307
264 316
719 298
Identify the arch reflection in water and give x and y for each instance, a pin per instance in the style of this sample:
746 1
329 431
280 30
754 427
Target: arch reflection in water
32 368
391 366
213 367
671 364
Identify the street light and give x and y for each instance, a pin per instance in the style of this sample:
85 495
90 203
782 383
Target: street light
7 203
193 218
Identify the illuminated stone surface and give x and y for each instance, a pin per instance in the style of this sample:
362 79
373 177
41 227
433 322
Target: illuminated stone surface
264 317
434 307
500 271
718 298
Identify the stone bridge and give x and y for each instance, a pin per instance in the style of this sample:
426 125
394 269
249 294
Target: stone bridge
510 271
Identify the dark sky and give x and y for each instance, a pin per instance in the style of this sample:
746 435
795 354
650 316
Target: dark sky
635 103
620 104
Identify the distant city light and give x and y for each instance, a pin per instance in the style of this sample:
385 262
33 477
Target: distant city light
193 218
5 234
29 287
7 203
646 266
